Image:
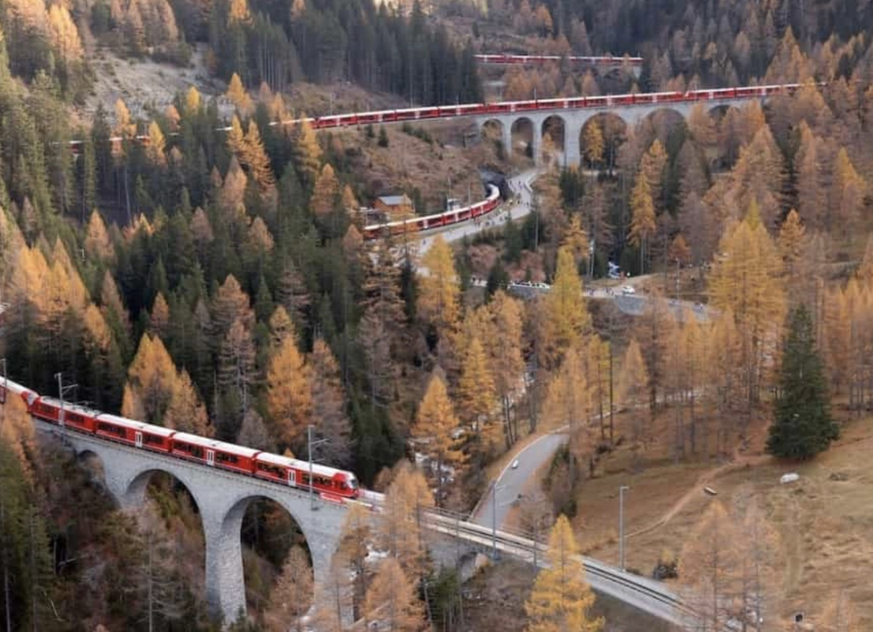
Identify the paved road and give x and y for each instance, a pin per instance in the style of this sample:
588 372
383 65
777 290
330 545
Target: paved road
511 481
519 183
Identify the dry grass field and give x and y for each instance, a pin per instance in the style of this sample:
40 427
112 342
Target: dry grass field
824 521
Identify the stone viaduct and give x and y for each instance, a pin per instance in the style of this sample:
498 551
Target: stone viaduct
222 499
574 120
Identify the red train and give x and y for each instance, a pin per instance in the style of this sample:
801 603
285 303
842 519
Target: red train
417 224
332 484
510 107
604 60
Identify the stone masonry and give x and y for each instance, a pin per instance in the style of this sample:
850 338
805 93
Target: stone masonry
222 499
574 120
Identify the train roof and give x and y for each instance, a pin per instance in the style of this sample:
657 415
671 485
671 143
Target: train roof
137 425
15 387
297 464
76 408
215 445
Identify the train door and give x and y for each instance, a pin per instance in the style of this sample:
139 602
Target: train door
210 457
138 439
292 478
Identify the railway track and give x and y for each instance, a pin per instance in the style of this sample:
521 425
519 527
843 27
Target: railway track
643 593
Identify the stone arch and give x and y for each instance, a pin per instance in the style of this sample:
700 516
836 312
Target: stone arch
668 125
93 463
492 129
495 131
719 111
555 127
614 131
224 562
523 137
271 531
665 118
133 492
725 117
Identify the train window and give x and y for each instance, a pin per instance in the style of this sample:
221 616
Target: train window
153 439
272 470
230 458
190 449
104 427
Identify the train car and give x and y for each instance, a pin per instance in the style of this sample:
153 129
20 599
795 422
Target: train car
622 99
664 97
10 388
406 114
295 473
471 109
225 456
500 107
64 414
524 106
326 480
135 433
746 92
273 467
597 102
368 118
326 122
723 93
550 104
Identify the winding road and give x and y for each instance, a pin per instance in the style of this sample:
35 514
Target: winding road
511 482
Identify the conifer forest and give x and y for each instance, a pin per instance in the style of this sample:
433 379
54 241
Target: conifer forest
649 349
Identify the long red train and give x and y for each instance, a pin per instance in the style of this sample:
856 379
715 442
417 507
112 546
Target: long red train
416 224
331 484
521 60
511 107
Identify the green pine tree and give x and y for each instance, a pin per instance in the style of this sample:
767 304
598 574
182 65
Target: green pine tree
803 426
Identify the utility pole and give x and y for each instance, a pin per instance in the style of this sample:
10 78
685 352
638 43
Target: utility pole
4 391
310 444
62 390
494 519
7 603
621 491
151 596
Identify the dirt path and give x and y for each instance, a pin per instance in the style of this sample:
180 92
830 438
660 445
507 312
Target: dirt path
739 461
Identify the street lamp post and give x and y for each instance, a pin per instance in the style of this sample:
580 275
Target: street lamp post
621 491
494 489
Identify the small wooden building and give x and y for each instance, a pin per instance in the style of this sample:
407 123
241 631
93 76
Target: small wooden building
394 206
